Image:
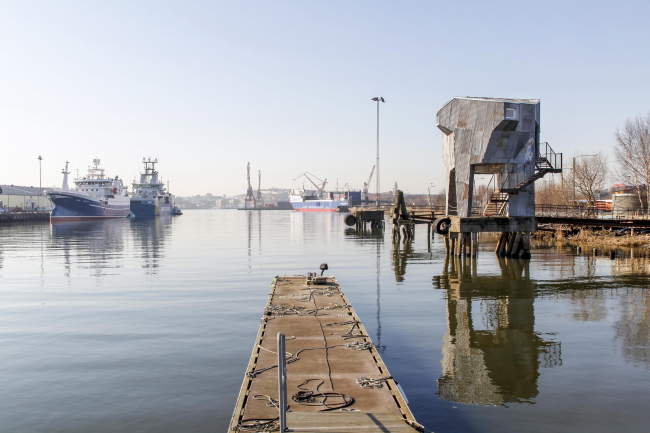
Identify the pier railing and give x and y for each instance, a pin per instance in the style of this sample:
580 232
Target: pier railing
584 211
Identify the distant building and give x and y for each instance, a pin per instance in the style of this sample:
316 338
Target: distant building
26 197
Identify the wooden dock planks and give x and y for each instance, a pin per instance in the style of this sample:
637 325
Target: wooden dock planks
320 326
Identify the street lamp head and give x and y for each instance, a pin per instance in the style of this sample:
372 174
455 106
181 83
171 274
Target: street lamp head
377 99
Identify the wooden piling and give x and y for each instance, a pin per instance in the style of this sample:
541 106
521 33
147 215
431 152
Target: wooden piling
511 243
526 247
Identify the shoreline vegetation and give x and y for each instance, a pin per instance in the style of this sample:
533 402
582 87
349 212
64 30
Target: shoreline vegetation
596 238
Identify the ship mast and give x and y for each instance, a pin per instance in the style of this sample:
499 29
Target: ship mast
65 172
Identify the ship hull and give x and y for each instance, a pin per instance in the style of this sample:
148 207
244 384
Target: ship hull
149 208
72 207
318 205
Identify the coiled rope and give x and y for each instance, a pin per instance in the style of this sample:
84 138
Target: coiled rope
317 398
366 382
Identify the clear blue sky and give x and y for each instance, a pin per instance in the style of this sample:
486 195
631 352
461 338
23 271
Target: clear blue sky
206 86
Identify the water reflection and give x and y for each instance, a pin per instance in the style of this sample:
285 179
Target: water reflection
102 245
402 256
96 245
632 330
376 235
149 235
497 360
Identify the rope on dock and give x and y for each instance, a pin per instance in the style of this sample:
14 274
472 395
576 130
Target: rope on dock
271 401
357 345
258 425
279 310
366 382
350 333
318 398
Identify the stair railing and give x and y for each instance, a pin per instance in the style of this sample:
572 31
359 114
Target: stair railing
487 195
553 159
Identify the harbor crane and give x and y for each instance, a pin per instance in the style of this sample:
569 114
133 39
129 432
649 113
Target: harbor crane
250 197
319 188
366 185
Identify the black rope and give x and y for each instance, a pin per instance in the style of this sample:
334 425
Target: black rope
310 398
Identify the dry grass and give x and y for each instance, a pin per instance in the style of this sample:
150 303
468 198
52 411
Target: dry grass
595 238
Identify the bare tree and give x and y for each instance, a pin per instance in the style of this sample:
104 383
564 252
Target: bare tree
632 150
551 191
591 174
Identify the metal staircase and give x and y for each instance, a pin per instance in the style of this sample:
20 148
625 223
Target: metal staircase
526 174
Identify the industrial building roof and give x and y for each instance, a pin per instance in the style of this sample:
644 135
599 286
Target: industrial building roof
515 100
22 190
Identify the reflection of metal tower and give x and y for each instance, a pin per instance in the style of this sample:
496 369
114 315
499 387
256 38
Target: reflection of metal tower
379 347
259 201
249 192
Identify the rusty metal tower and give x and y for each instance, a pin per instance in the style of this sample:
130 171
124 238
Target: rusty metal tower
250 197
259 200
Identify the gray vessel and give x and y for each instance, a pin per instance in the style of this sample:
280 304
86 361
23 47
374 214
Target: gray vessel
150 198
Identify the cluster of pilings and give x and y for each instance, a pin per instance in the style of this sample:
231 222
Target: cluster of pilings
406 229
462 244
514 244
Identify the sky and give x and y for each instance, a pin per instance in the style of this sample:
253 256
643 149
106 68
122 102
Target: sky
208 86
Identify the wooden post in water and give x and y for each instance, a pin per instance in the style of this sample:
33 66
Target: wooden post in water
517 249
526 249
498 248
511 243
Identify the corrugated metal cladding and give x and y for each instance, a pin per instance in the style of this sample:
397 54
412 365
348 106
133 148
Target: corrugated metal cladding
476 131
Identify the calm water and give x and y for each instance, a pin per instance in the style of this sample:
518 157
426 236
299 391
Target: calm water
147 326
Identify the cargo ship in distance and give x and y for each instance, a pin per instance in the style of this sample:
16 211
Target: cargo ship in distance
150 199
94 196
309 201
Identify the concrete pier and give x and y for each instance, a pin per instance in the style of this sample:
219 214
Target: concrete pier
336 380
23 217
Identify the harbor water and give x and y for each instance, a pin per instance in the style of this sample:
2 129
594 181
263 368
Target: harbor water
148 325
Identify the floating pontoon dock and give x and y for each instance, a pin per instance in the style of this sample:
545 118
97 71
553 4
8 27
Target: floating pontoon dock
336 380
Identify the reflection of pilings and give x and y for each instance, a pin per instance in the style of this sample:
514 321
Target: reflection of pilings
498 364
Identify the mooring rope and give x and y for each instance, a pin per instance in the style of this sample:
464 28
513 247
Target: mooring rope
358 345
366 382
318 398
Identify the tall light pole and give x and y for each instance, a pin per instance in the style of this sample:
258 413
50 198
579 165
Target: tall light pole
40 186
574 176
378 99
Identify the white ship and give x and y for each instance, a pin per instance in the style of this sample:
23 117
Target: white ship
94 196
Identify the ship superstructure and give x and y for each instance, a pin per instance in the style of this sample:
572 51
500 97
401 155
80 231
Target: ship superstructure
150 197
94 196
312 201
